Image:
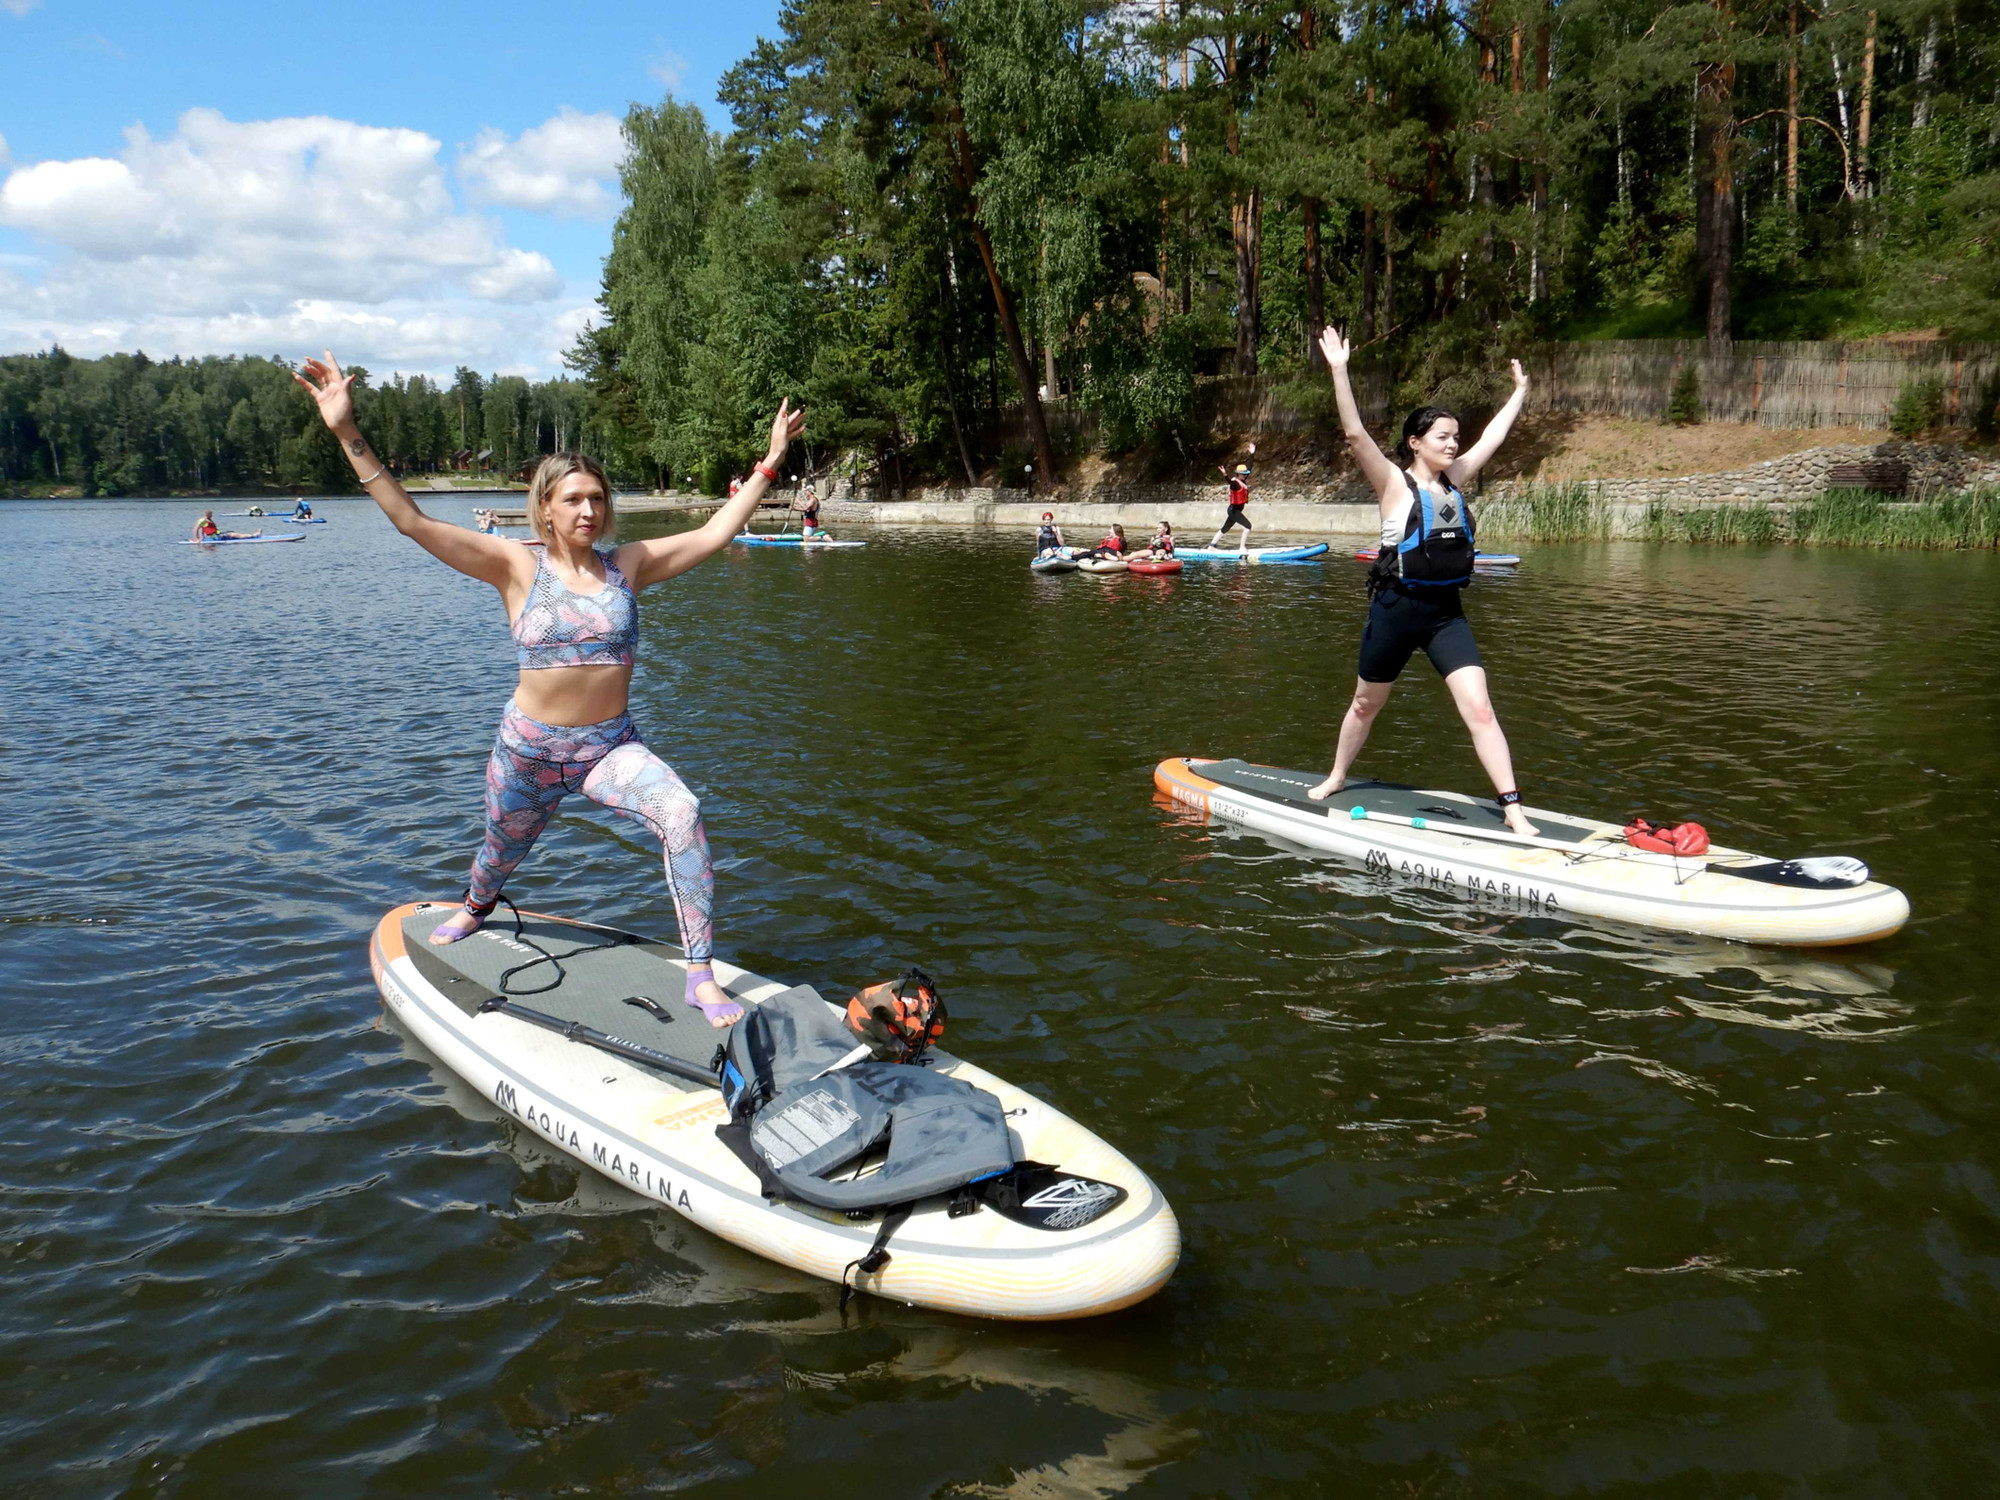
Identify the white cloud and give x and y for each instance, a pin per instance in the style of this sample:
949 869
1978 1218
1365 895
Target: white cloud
567 165
520 276
669 67
276 235
18 7
6 156
429 337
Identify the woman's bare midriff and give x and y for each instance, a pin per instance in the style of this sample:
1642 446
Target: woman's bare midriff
574 695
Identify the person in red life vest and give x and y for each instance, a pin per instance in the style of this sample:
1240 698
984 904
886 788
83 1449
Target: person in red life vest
1110 546
808 509
1160 548
205 530
734 486
1239 496
1424 565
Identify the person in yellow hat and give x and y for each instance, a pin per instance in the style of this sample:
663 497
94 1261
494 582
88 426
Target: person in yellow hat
1239 496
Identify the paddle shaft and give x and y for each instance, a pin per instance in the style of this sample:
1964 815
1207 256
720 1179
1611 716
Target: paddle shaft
1622 851
604 1041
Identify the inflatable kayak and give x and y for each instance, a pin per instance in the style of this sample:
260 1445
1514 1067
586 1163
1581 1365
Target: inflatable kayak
1155 566
1252 554
1102 564
1442 841
237 541
625 1083
752 539
1479 560
1054 565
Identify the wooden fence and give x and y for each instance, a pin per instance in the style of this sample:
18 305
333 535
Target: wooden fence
1771 384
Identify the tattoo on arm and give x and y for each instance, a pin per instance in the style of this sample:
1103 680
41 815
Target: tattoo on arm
357 446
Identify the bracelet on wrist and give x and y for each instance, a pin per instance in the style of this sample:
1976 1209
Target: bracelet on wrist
373 477
766 470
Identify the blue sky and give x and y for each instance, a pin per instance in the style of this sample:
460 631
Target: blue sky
431 183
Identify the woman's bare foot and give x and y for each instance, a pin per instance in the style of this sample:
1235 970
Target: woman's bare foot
1326 788
1518 821
708 997
460 924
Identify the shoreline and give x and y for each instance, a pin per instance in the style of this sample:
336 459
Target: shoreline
1951 521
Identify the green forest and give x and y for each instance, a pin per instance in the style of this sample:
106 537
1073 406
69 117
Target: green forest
129 425
940 223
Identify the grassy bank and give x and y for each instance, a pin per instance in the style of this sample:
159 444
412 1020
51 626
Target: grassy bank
1836 518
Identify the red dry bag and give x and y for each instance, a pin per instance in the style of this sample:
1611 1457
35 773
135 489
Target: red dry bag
1657 838
900 1020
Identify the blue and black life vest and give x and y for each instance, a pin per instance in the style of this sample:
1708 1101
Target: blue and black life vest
1437 547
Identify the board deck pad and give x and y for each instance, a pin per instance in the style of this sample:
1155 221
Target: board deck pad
1392 798
594 984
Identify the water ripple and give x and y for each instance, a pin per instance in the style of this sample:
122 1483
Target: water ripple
1472 1201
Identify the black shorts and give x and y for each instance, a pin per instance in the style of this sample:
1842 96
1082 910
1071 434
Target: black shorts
1402 621
1236 518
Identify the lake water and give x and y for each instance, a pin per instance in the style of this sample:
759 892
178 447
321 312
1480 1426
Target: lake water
1472 1204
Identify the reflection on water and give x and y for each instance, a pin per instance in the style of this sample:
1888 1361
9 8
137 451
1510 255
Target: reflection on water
1472 1201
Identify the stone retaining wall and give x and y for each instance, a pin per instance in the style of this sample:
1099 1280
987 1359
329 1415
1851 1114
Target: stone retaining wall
1934 468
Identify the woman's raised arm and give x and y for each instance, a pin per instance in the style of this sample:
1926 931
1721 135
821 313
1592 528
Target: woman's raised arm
666 557
490 559
1375 464
1465 468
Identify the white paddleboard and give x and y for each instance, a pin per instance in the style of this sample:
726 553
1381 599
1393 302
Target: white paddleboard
1464 848
654 1133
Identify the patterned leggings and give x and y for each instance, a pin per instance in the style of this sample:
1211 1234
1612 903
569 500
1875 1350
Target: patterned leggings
535 765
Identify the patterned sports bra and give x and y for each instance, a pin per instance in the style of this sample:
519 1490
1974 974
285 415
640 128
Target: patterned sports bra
559 627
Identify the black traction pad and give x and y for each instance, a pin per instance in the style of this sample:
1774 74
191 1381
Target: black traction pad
1442 811
594 985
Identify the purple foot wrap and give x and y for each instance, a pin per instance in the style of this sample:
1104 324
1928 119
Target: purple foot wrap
718 1012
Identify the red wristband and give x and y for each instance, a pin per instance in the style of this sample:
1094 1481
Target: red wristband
766 470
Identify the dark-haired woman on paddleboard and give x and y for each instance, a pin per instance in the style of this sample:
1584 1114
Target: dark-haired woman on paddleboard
1424 565
573 609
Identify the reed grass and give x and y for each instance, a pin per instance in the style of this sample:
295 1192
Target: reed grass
1558 512
1857 518
1576 512
1712 523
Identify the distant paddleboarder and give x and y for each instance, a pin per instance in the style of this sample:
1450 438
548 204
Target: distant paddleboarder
1160 548
1110 545
1424 564
1239 496
808 509
205 530
1048 537
574 612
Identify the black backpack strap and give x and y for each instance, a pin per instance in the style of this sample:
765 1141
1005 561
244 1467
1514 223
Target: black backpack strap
878 1255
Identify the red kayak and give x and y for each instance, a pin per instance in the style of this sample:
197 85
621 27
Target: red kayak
1156 565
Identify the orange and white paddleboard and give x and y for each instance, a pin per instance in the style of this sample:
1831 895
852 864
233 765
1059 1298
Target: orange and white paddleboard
654 1132
1446 842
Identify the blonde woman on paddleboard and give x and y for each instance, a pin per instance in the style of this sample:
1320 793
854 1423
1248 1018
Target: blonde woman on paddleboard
1424 565
573 610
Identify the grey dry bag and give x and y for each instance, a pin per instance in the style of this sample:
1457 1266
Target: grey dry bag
807 1101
